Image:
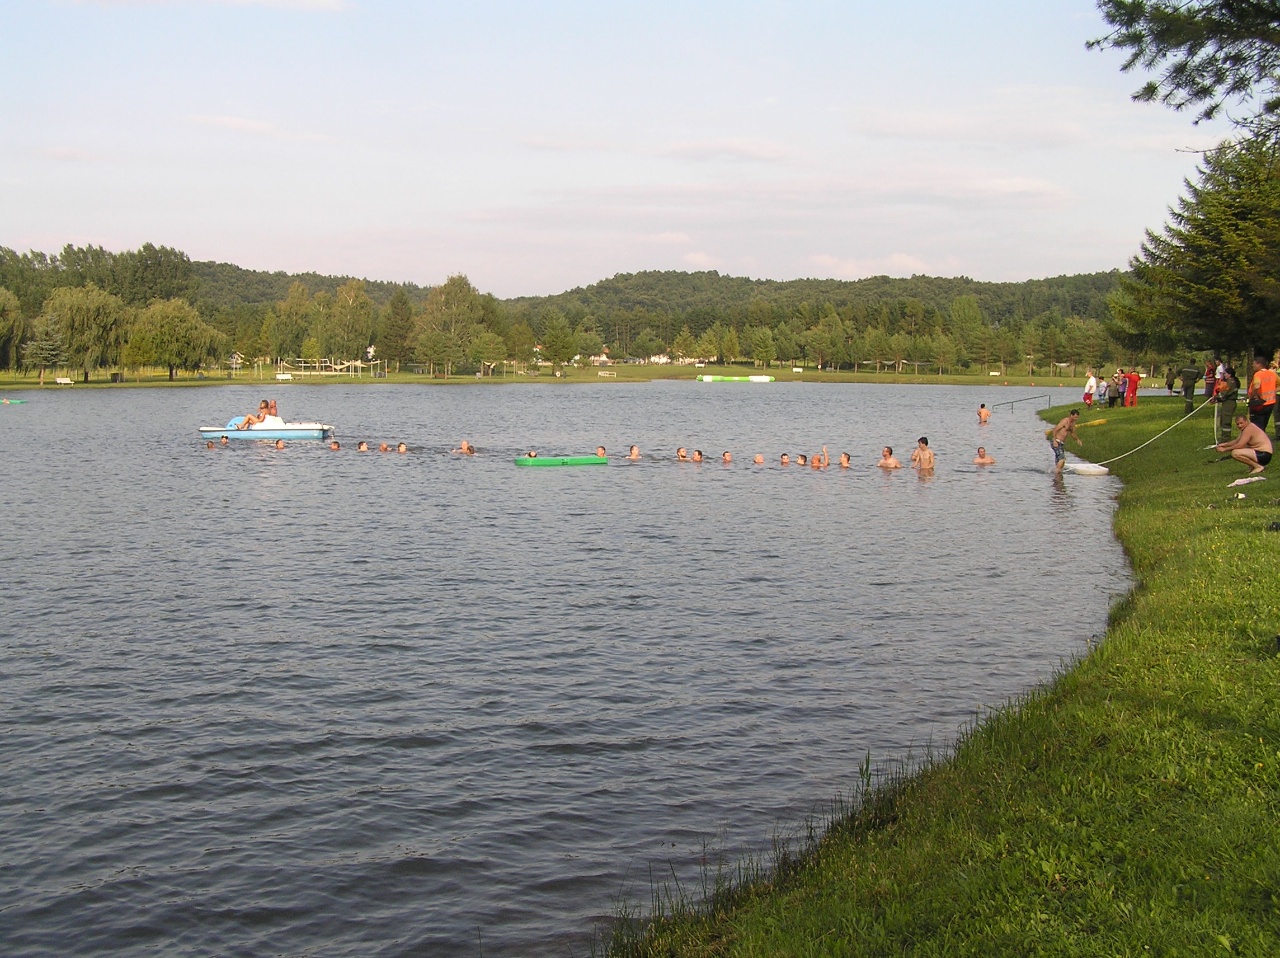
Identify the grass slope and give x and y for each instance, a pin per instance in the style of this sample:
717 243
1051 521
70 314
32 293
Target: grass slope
1130 808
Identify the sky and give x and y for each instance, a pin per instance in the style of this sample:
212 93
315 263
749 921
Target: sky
538 147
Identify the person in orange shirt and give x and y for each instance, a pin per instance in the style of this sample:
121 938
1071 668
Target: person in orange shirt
1262 393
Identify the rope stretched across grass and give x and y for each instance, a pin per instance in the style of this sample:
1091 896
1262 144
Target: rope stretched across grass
1100 468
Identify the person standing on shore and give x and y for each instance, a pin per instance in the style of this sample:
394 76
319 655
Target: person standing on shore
1131 394
1090 388
1262 393
1225 396
1120 385
1058 439
1168 379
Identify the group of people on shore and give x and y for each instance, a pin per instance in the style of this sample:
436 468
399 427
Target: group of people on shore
1120 389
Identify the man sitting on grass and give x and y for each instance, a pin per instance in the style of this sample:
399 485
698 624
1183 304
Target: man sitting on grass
1252 446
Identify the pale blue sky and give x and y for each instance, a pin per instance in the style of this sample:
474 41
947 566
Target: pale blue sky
538 147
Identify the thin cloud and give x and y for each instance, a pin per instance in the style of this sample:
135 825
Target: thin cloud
895 264
304 6
240 124
759 151
67 154
700 260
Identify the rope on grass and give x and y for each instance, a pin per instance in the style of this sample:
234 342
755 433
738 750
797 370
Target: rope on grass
1157 435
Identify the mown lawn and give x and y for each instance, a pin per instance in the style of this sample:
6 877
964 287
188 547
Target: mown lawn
1131 808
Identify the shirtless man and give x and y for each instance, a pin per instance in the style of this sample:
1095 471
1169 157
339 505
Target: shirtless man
983 414
887 459
726 457
922 455
758 460
1252 446
464 449
600 452
1058 439
697 455
982 459
820 461
784 460
682 454
844 460
633 452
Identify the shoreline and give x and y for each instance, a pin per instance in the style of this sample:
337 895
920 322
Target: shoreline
618 374
1126 807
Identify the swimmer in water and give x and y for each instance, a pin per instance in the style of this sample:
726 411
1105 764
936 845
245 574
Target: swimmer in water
464 449
334 445
697 455
633 452
600 451
682 454
983 414
209 444
401 447
726 457
887 459
279 443
802 460
983 458
531 454
362 446
758 459
821 460
844 460
383 447
922 455
784 460
223 440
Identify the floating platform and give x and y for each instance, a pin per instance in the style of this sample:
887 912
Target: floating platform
562 461
735 379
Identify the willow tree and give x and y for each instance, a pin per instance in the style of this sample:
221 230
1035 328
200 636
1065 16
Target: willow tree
93 324
13 328
170 333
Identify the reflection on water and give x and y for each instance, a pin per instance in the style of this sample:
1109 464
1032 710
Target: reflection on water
294 701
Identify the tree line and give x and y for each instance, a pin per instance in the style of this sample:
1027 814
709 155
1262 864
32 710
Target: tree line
88 309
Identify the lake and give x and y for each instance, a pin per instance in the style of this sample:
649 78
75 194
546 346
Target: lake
296 701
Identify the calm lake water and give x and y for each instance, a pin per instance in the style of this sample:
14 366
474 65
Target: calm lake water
300 702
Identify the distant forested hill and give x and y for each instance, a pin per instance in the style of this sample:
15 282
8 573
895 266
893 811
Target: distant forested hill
223 286
680 293
54 304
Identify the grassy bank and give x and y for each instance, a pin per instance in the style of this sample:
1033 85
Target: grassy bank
613 374
1131 808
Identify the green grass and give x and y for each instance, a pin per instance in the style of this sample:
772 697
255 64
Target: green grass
1130 808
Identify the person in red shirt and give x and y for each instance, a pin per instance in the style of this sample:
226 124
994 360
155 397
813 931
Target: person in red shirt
1131 394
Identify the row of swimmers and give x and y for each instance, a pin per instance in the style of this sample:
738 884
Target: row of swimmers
922 456
334 445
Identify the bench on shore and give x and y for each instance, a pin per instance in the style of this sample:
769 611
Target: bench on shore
607 373
65 381
284 377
